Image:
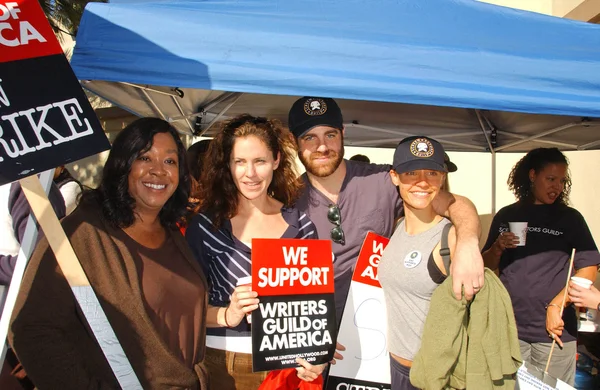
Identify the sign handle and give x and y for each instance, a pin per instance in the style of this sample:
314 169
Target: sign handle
73 272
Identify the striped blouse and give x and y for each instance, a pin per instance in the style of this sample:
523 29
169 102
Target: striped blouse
225 259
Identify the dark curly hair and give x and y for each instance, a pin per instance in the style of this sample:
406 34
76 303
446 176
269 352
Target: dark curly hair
537 159
117 205
218 193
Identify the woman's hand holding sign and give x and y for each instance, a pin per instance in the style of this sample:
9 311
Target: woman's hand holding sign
243 302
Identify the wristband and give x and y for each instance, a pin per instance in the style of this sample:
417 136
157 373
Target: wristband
552 304
225 318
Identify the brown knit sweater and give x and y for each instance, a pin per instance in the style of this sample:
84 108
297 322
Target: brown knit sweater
54 342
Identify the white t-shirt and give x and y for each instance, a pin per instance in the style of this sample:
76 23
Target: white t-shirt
70 192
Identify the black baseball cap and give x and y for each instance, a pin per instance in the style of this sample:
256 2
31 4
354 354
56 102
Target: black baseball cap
309 112
419 152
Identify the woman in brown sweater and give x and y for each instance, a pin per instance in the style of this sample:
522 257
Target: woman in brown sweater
149 285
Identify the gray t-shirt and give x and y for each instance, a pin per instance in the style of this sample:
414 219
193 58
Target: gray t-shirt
407 285
368 201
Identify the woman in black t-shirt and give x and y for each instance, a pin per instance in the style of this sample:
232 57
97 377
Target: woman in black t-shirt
535 273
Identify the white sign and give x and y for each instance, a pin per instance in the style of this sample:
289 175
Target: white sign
532 378
363 331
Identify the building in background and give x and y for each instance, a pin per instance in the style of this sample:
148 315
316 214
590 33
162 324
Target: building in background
582 10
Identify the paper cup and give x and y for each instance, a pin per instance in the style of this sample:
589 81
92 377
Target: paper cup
519 229
583 282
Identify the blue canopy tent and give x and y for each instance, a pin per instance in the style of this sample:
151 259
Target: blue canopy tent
475 76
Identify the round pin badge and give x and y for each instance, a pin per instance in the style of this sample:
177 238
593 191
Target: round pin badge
412 259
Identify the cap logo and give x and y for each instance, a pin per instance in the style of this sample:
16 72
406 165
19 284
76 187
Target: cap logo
314 107
421 147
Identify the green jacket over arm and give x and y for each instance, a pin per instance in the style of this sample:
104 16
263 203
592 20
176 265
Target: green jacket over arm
468 346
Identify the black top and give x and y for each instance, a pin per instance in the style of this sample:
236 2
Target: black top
535 273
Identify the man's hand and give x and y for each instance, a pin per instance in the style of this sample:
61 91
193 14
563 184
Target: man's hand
337 355
466 268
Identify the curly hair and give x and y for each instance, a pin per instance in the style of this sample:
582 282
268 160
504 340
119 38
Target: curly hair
117 204
218 193
537 159
195 155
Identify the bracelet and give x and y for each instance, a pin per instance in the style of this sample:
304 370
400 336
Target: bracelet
225 318
552 304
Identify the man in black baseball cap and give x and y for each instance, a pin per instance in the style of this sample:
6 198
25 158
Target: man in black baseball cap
318 127
346 199
310 112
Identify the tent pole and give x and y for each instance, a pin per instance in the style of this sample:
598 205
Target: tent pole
493 152
373 143
208 106
589 145
85 85
388 131
181 112
146 88
220 114
156 109
493 183
543 141
540 135
402 136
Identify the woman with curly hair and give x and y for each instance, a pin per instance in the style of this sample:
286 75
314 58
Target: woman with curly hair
247 190
535 273
149 285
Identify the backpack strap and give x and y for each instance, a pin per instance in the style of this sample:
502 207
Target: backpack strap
444 249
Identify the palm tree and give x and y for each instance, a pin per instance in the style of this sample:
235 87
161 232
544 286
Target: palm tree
64 15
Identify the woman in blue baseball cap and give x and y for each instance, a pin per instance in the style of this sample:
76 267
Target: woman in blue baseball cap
411 267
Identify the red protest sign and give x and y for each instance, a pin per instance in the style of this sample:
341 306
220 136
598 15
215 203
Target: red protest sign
296 313
291 266
369 258
25 32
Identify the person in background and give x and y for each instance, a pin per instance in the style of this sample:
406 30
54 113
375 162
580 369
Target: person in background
195 157
450 167
411 267
535 274
346 199
360 157
151 289
248 188
14 213
69 187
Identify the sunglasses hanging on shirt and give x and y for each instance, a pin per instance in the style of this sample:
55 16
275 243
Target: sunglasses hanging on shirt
335 217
